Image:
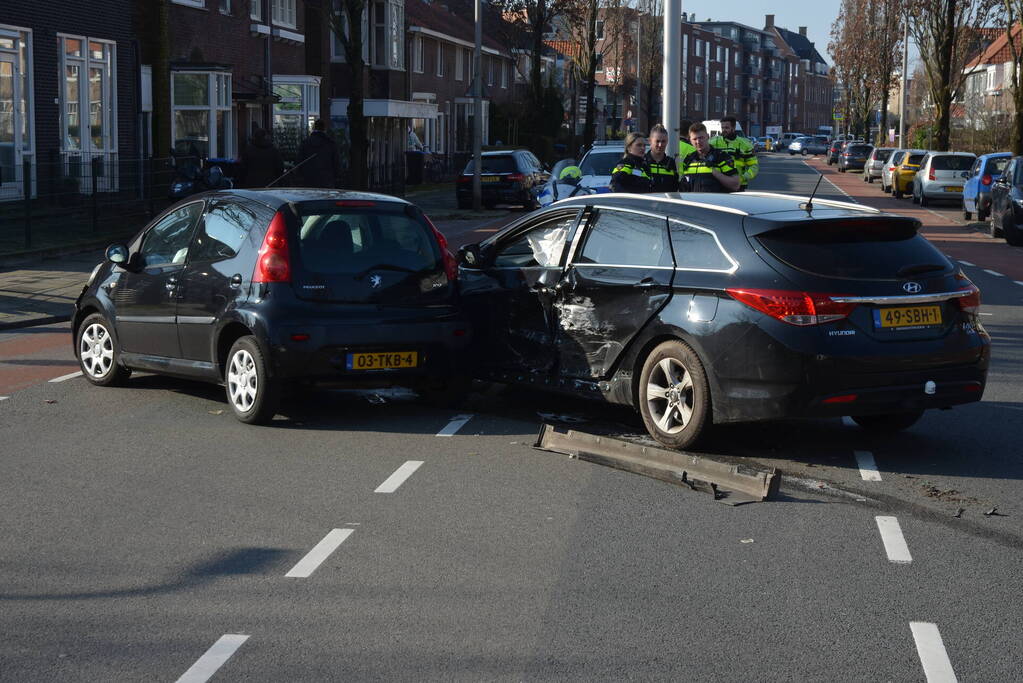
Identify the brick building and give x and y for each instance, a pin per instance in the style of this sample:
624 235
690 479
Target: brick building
810 99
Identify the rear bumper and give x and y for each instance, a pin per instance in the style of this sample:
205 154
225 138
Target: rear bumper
936 190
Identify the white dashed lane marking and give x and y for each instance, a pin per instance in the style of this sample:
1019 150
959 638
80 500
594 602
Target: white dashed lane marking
993 272
933 657
848 421
894 541
457 422
64 378
392 482
4 398
967 263
215 657
308 564
868 468
1018 282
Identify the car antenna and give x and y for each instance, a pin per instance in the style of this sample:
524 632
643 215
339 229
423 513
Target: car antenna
289 171
809 202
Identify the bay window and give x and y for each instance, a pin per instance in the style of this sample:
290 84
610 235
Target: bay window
283 12
88 108
298 105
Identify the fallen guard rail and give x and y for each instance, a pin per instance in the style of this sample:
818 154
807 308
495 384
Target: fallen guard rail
725 482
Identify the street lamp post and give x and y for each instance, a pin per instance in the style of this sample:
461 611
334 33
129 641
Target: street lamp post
477 110
672 71
905 80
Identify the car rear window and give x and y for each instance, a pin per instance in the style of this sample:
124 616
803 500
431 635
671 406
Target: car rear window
862 250
860 150
915 159
997 165
494 164
601 163
383 251
882 153
952 162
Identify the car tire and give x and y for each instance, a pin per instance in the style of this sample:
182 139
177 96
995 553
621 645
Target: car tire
447 393
1011 232
804 152
897 193
251 392
924 201
841 169
914 199
887 424
98 353
982 214
673 395
967 215
869 179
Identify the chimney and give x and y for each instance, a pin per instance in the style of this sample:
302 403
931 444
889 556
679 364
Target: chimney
768 21
802 31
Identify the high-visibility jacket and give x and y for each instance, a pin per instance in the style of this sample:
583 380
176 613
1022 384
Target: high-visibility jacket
630 175
742 152
684 149
663 173
697 171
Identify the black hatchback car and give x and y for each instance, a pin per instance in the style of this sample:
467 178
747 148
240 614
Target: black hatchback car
702 308
506 177
258 288
1007 204
853 156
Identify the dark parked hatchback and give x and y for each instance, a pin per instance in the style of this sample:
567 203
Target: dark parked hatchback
854 156
259 288
701 308
1007 204
512 177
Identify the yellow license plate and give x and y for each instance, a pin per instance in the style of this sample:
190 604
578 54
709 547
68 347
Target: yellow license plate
490 179
907 316
953 189
384 360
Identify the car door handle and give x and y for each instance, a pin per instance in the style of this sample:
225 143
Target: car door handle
646 282
236 280
171 284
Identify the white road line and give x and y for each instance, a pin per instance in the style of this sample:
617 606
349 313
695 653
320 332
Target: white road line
868 468
937 667
894 541
308 564
4 398
457 422
214 658
392 482
64 378
993 272
1018 282
967 263
848 421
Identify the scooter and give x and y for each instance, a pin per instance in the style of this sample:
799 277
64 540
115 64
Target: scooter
192 178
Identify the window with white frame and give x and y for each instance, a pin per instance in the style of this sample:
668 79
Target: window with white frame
225 6
600 30
190 3
459 63
992 78
202 121
256 10
699 48
417 54
283 12
505 68
87 93
297 106
490 70
440 59
698 101
698 75
470 65
464 122
396 8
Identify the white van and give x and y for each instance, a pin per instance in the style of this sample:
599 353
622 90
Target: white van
714 127
786 138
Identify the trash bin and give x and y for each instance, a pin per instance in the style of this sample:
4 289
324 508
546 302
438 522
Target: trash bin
414 168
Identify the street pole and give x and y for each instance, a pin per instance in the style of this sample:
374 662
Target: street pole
672 83
477 110
638 109
905 80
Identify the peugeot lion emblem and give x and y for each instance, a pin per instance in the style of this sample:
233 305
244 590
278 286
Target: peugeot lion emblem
912 287
375 280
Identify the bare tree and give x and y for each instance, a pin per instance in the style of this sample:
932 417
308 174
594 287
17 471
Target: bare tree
884 39
535 17
948 34
852 63
1012 16
345 20
651 51
585 16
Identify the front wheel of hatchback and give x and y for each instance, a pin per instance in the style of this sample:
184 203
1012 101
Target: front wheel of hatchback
674 397
896 192
1011 232
98 354
251 392
887 424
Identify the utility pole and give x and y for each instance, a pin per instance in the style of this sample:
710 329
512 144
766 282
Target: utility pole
477 110
672 84
905 81
638 109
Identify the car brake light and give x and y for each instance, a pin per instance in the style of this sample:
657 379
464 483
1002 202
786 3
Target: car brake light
450 265
273 263
971 302
793 307
930 175
844 398
463 179
516 177
985 179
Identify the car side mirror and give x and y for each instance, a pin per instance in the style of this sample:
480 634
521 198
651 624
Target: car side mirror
117 253
470 256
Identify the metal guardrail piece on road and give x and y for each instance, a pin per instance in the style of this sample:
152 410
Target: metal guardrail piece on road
725 482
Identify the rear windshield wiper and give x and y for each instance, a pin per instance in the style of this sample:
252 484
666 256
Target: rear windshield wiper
917 268
385 266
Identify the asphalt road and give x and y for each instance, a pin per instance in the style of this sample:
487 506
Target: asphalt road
148 535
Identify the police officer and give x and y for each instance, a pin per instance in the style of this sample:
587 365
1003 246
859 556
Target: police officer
741 150
568 182
684 148
630 175
661 166
708 169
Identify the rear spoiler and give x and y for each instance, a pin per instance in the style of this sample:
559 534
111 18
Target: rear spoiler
806 220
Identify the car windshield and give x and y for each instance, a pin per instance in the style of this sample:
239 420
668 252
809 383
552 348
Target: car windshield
493 164
952 162
600 163
997 165
883 152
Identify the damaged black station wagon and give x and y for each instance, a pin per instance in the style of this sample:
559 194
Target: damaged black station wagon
699 309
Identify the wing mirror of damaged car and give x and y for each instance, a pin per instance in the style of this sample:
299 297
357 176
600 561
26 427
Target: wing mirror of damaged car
470 256
117 253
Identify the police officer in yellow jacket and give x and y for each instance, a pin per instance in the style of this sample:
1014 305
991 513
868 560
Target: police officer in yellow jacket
661 167
707 169
684 148
741 150
630 175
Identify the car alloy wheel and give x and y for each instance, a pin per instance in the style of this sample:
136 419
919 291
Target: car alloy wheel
252 393
674 396
98 352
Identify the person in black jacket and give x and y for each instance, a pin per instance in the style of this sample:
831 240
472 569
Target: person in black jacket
630 175
262 161
319 159
659 164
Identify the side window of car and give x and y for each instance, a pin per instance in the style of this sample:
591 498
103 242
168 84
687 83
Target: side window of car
541 245
223 232
167 241
697 249
626 239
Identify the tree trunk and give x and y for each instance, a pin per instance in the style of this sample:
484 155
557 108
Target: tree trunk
162 142
943 103
535 78
358 148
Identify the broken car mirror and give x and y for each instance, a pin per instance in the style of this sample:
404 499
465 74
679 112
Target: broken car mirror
470 256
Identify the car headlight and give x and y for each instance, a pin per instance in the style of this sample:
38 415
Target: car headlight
1018 202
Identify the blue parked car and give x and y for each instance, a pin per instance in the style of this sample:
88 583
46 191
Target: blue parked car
977 191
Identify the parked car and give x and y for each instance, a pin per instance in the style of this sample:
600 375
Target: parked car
256 289
764 143
507 177
834 149
977 191
888 169
714 308
818 144
875 162
1007 204
854 156
785 139
796 146
905 171
942 176
598 163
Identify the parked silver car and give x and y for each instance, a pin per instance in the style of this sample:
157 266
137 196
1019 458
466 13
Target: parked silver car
875 163
888 167
942 176
796 146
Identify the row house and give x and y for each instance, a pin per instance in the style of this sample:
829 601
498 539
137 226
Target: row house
810 99
68 95
986 90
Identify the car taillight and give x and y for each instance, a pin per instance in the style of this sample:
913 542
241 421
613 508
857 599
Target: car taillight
971 302
930 174
516 177
273 263
985 179
793 307
450 265
463 179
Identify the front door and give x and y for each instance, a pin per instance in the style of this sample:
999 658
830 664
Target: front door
619 278
11 171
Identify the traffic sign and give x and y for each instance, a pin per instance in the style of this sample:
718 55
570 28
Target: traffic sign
838 116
